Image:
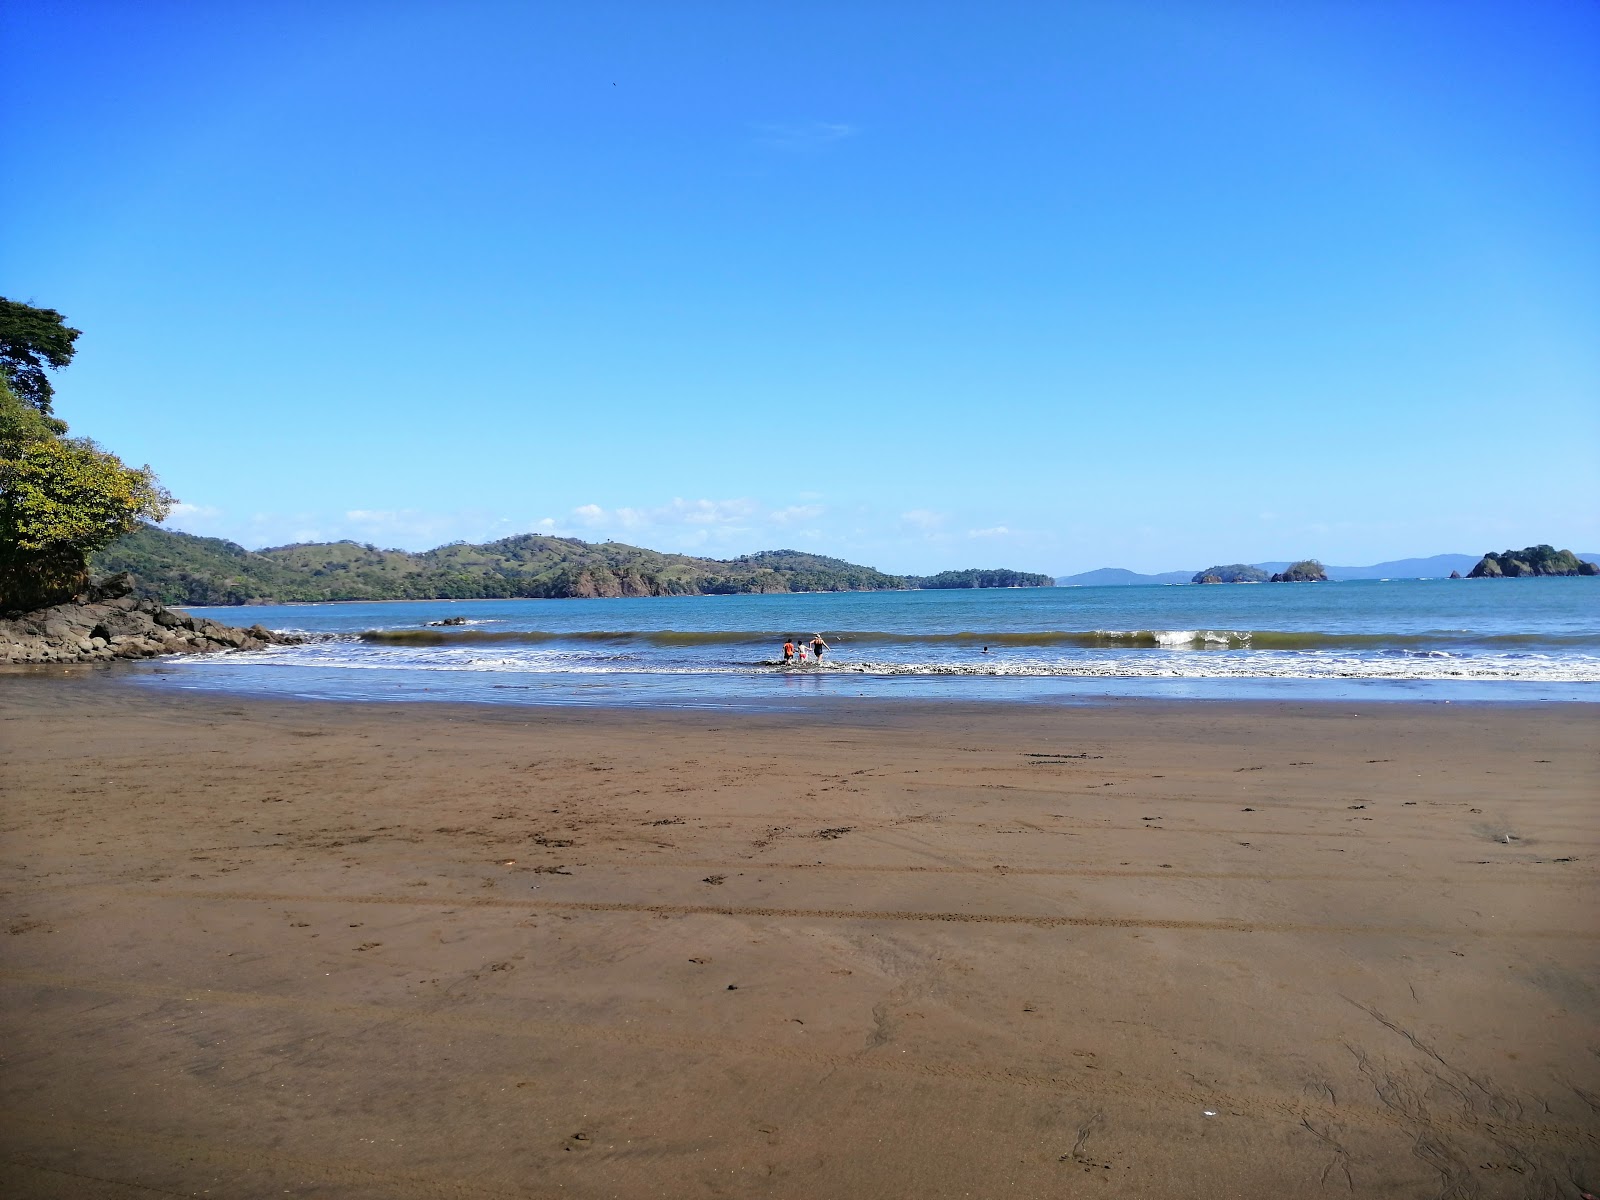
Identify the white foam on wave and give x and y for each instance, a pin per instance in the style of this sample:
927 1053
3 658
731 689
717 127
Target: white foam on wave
1114 664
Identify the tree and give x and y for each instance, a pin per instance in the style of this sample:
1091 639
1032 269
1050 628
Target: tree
32 339
61 499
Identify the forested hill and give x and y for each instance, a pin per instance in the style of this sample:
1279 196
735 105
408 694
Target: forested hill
179 568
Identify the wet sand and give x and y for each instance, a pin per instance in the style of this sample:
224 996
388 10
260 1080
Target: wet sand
1166 950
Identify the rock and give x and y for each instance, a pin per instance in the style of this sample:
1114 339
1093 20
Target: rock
1307 570
448 621
1535 560
108 623
1233 573
1455 574
112 587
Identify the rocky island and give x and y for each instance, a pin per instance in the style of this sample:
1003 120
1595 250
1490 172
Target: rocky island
1232 573
1307 570
1535 560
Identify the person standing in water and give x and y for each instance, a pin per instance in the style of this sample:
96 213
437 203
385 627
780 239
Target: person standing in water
788 651
817 647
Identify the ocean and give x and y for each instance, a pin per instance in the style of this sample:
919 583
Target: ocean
1455 640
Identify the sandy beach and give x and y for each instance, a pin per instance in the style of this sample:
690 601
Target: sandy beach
1170 950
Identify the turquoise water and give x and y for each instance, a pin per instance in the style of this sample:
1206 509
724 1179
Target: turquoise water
1535 639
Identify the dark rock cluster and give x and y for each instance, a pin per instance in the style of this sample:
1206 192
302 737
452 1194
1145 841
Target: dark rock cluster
1306 571
1535 560
107 623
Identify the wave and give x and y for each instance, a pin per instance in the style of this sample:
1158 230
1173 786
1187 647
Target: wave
1576 668
1432 641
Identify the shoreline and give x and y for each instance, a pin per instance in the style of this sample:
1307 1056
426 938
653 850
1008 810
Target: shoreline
136 675
942 949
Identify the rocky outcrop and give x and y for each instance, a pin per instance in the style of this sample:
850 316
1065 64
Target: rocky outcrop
1232 573
107 623
1535 560
1307 570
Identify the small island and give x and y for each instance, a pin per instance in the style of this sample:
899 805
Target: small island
1533 561
974 577
1232 573
1307 570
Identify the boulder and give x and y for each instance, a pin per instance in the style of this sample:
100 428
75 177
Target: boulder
108 622
112 587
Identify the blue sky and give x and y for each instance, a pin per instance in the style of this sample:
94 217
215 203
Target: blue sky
1051 286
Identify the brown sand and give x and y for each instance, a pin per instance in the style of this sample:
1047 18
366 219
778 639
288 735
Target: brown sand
1181 950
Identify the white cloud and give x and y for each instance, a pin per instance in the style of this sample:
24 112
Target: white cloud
923 518
733 525
996 531
680 512
193 512
412 527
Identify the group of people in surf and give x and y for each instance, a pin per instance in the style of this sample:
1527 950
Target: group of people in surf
794 651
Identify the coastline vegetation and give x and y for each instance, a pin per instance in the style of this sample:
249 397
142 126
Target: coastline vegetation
61 498
180 568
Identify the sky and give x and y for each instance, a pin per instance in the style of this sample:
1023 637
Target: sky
921 285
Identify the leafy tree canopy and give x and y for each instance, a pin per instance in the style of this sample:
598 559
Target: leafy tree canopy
31 340
61 499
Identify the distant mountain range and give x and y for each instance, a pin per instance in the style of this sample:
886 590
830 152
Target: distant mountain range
1438 566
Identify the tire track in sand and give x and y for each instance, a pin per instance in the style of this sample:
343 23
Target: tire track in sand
1542 878
1219 925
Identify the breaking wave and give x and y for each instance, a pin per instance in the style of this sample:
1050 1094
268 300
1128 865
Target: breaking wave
1160 662
1442 641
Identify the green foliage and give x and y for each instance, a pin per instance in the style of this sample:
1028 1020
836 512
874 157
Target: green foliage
31 340
1535 560
1232 573
179 568
61 499
1307 570
975 578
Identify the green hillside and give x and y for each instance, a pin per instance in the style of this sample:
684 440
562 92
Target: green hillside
179 568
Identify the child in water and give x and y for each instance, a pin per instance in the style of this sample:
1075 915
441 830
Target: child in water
788 651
